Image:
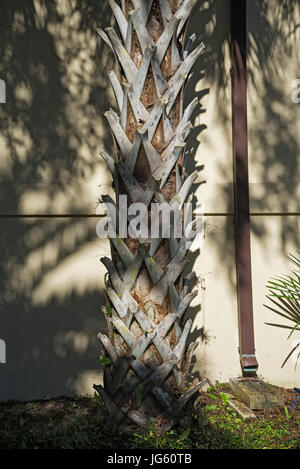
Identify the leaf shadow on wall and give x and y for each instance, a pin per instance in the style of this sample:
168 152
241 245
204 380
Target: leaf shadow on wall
51 129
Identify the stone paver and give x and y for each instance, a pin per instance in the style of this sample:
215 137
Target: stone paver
241 409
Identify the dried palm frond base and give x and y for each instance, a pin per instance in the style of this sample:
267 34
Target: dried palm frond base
160 409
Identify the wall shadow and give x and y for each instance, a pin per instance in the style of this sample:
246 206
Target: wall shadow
273 32
51 129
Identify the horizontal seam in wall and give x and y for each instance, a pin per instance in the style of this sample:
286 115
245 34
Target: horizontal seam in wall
206 214
274 214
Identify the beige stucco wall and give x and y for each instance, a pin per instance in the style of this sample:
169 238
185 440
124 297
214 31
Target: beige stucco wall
216 323
52 127
274 170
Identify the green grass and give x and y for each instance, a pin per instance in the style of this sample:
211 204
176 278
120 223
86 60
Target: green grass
81 422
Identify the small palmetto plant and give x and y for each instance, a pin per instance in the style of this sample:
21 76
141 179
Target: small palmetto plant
284 293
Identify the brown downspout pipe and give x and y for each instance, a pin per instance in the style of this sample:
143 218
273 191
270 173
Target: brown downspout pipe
241 179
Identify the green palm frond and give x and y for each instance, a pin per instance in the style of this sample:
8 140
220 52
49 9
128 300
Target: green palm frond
294 259
284 294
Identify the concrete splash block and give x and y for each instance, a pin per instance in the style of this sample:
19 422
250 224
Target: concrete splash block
241 409
255 393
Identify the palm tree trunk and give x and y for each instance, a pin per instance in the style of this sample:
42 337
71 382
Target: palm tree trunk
147 292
